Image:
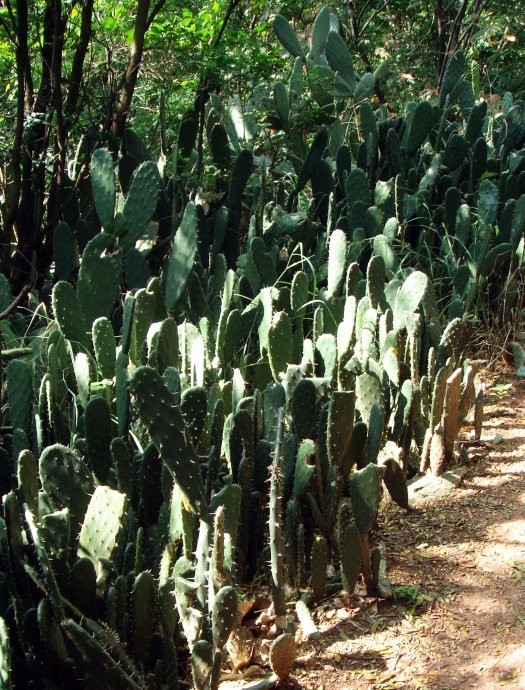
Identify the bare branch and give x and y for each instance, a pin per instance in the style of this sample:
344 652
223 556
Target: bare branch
233 4
79 57
132 69
373 16
14 304
154 12
10 34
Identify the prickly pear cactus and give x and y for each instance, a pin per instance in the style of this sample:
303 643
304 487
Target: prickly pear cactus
164 422
103 526
365 492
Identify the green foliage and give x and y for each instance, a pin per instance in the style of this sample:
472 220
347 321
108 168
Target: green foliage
312 288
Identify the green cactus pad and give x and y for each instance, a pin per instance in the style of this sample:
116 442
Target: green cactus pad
165 424
223 615
66 480
350 549
183 250
103 526
142 615
98 437
340 59
104 346
98 285
396 483
287 36
68 313
336 261
340 425
20 394
365 492
304 467
422 123
319 560
103 184
280 344
141 202
303 407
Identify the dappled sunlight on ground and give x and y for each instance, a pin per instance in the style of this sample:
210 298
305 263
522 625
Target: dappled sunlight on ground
458 566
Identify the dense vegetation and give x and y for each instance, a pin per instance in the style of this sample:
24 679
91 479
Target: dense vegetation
226 326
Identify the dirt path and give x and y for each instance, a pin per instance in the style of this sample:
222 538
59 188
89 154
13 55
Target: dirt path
458 569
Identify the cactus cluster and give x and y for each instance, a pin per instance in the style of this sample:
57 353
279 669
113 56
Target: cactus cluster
241 404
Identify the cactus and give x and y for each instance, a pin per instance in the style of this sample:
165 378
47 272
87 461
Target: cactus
280 344
263 260
104 345
102 528
51 634
375 432
201 663
336 261
396 483
451 414
194 410
304 468
142 615
319 560
20 394
276 538
369 391
183 250
287 36
103 184
66 481
409 297
437 457
223 616
27 473
375 282
136 270
98 437
311 162
165 425
98 667
422 123
350 550
98 284
303 407
83 586
241 171
365 492
340 425
69 314
140 204
122 392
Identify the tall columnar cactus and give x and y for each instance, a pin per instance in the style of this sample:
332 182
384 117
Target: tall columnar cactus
275 529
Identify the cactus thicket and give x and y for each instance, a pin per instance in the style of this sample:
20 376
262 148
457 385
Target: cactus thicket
225 385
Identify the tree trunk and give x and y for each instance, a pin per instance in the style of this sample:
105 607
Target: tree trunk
131 74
